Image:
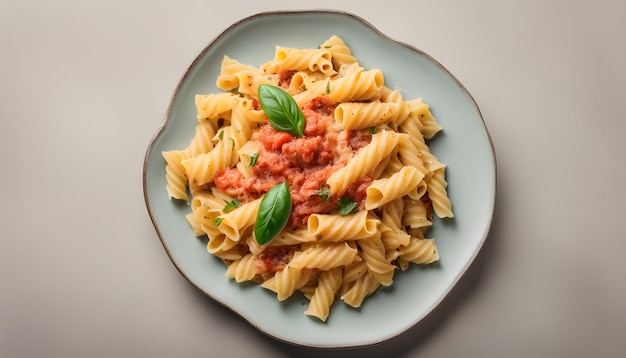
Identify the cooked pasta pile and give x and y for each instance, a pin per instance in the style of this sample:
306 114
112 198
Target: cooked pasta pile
364 145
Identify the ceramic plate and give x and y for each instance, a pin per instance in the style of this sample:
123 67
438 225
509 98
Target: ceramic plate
464 145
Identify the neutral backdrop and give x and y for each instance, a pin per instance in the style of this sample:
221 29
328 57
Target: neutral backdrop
84 85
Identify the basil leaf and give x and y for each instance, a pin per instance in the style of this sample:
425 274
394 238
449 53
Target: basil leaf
347 206
218 221
273 213
282 110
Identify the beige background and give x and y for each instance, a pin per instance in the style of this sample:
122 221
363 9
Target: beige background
84 85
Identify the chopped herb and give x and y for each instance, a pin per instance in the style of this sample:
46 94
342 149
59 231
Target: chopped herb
324 193
231 205
372 130
347 206
232 140
328 87
328 46
218 221
221 135
253 159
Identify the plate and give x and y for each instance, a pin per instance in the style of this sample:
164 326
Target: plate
464 145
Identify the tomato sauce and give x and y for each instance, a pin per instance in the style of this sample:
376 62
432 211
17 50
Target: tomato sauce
273 259
284 77
303 163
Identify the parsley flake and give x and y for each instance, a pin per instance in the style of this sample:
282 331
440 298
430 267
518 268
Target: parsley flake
347 206
231 205
253 159
324 193
218 221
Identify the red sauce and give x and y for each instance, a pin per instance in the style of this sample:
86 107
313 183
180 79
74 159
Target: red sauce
359 139
284 77
273 259
304 163
256 105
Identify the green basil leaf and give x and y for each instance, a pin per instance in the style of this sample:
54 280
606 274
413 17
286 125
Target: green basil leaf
273 214
282 110
347 206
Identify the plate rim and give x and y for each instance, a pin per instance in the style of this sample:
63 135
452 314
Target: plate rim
324 11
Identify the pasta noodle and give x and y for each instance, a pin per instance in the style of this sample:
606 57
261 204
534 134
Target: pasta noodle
175 174
363 115
364 162
324 295
314 60
363 183
328 227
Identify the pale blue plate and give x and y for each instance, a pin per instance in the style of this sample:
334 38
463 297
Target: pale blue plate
464 146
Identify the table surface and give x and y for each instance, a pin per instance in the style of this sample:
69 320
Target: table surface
85 85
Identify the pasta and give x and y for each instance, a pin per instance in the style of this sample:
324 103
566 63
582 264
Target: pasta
361 178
